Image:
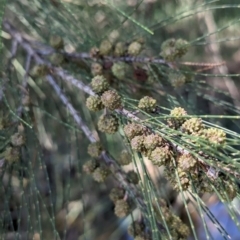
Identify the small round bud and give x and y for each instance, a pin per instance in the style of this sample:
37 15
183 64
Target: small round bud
108 123
147 104
120 70
119 49
99 84
132 177
100 174
111 99
192 126
152 141
39 71
105 48
90 166
214 136
17 140
133 129
94 103
125 158
117 194
57 59
134 48
122 208
95 149
160 156
56 42
177 119
96 69
173 49
137 143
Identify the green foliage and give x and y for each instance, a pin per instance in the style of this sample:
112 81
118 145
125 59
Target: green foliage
119 109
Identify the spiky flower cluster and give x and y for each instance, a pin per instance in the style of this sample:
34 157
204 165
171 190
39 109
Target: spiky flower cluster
151 145
147 104
193 126
214 136
106 98
137 143
177 117
94 103
111 99
99 84
122 208
90 166
172 49
132 130
95 149
151 141
177 228
100 173
187 164
117 194
161 156
108 123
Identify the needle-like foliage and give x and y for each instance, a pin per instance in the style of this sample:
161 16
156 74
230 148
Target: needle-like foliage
120 120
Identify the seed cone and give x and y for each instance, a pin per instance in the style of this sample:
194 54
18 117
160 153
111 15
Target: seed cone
100 174
108 124
95 149
133 129
117 194
122 208
99 84
147 104
111 99
94 103
177 119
